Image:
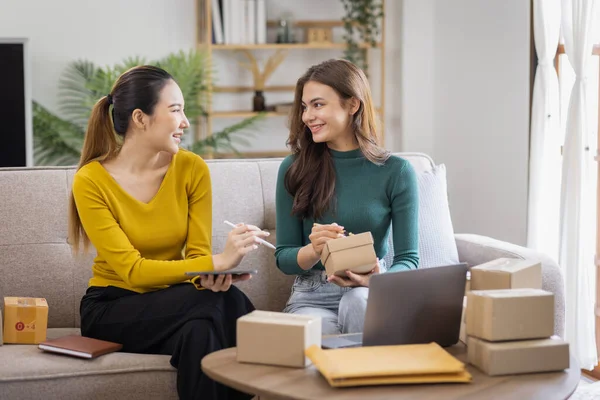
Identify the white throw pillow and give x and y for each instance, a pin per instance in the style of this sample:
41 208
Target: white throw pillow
437 246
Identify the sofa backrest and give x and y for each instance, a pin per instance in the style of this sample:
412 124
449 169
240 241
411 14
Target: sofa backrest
36 260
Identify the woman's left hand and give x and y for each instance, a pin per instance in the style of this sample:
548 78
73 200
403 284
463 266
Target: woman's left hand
354 280
221 283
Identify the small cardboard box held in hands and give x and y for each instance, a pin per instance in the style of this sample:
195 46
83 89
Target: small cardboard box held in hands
507 273
275 338
25 320
354 253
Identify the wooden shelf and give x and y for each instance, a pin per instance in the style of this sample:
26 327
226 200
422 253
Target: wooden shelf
241 89
313 23
276 51
244 114
248 114
326 23
252 154
287 46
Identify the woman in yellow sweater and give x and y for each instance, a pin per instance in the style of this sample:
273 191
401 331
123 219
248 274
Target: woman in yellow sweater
146 206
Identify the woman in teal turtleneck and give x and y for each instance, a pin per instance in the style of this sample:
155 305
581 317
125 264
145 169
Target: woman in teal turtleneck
340 178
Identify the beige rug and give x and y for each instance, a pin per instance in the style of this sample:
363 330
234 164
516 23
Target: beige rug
587 391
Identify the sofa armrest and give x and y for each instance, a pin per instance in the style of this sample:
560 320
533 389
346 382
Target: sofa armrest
477 249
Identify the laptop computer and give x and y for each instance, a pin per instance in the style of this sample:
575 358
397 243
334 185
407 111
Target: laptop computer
411 307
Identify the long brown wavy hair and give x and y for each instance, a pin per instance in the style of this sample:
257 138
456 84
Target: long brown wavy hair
138 87
311 176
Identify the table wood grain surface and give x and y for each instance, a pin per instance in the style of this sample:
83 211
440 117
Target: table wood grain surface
272 382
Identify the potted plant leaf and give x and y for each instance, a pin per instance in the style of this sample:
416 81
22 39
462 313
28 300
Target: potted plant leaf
58 141
362 25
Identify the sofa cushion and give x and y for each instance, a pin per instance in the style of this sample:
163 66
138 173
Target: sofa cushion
270 288
54 376
268 180
437 246
32 206
237 195
42 270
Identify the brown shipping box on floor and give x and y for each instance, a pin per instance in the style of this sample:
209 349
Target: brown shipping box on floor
25 320
355 253
518 357
275 338
507 273
510 314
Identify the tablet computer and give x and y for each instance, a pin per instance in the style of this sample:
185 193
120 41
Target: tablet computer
233 271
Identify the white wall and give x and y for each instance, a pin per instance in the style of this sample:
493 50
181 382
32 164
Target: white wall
465 101
104 32
457 81
417 63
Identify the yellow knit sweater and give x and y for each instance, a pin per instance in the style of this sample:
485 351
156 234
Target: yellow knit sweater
147 246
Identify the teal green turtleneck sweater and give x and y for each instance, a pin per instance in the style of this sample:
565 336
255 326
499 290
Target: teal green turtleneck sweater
368 198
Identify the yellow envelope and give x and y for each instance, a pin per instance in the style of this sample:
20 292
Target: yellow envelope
388 365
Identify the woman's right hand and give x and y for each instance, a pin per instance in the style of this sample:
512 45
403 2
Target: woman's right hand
241 240
320 234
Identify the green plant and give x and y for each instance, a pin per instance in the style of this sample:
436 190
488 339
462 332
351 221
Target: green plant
362 19
55 141
59 141
223 140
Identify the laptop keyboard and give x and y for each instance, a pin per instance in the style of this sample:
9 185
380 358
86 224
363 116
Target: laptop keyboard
340 341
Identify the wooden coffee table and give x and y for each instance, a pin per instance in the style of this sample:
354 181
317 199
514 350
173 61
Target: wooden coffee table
270 382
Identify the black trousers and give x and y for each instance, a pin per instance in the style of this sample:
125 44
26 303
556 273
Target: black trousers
180 321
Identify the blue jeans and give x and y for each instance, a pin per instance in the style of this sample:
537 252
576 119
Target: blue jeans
342 310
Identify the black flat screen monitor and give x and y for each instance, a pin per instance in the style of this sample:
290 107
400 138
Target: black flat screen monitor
15 104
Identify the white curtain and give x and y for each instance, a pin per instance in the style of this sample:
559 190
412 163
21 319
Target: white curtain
545 159
578 196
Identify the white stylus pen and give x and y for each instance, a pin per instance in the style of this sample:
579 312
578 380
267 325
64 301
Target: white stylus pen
259 239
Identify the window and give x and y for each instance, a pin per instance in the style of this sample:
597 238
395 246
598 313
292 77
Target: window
566 77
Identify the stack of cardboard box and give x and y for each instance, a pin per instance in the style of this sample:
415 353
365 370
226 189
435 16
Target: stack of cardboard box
509 320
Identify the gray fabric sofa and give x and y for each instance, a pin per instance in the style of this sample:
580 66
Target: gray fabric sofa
36 261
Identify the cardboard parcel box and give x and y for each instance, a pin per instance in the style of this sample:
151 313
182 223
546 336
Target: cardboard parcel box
507 273
510 314
354 252
25 320
275 338
519 357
